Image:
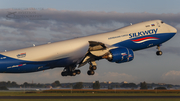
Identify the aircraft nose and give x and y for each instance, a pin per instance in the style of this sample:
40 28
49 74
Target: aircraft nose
172 29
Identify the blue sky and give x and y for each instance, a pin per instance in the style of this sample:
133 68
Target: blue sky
74 18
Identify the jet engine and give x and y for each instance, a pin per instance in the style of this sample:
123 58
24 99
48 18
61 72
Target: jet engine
119 55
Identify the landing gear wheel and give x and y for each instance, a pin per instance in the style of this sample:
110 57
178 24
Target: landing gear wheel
158 53
93 68
73 73
64 73
70 71
78 71
90 72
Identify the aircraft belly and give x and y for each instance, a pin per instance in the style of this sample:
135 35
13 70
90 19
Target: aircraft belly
11 65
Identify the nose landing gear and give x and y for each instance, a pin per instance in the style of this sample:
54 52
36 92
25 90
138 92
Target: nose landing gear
159 52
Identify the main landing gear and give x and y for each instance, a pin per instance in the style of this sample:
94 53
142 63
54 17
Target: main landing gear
159 52
92 67
70 71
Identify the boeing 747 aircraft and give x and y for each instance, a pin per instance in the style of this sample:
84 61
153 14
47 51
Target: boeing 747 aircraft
117 46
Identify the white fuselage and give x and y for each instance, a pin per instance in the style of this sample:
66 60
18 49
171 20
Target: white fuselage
76 49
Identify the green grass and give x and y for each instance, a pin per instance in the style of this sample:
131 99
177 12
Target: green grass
86 94
90 94
90 99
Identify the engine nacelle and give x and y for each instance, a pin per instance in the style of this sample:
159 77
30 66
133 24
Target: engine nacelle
120 55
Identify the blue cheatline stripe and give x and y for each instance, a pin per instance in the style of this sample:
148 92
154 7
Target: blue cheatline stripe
158 39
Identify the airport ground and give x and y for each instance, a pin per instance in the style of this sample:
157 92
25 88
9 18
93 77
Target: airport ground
90 100
86 96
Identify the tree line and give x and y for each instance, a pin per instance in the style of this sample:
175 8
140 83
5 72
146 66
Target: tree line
78 85
13 84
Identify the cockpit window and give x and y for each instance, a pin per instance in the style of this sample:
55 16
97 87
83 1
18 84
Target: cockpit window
162 22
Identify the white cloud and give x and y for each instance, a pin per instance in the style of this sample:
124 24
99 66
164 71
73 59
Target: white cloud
119 77
50 76
171 77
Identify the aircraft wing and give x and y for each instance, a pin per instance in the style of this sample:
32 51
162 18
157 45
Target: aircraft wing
96 51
